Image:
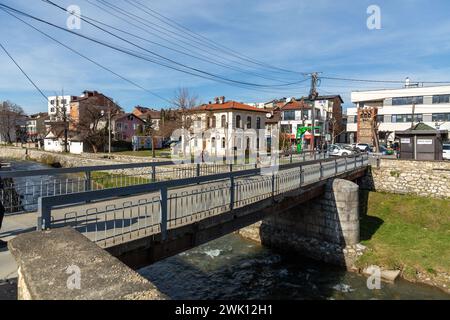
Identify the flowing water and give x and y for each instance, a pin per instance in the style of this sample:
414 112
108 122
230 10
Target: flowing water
234 268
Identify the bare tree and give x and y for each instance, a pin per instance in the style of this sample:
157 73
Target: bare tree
10 116
93 125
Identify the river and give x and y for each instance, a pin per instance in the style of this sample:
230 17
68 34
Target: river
234 268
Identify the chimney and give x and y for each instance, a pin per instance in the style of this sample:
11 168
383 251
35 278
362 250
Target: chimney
407 82
222 100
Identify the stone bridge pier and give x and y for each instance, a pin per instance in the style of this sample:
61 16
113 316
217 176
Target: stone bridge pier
325 228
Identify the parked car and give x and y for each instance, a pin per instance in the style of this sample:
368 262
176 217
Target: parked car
340 150
446 151
364 147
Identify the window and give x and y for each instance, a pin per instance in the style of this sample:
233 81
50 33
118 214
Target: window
286 128
289 115
445 98
223 121
350 119
401 118
213 142
238 122
52 102
380 118
52 110
223 143
258 123
63 101
407 100
213 121
249 122
441 117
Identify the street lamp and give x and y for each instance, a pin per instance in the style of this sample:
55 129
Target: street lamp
109 130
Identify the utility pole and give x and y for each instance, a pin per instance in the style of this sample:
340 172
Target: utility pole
312 97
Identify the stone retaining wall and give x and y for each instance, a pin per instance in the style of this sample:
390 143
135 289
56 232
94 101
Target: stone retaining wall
422 178
325 228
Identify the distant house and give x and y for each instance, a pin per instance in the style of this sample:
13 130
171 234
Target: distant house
54 142
127 125
35 126
145 113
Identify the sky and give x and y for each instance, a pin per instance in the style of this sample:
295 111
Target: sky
297 36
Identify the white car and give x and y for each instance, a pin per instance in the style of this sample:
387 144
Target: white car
339 150
364 147
446 151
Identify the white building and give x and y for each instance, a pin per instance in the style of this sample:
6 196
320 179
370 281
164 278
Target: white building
56 105
396 107
225 129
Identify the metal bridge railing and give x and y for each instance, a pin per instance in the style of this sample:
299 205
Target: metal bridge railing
111 216
20 190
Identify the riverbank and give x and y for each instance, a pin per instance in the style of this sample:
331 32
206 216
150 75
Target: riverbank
407 233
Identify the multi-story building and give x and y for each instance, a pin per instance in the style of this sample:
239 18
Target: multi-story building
232 124
76 109
381 113
327 117
35 126
127 125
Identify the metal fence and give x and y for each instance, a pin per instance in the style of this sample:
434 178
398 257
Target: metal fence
111 216
20 190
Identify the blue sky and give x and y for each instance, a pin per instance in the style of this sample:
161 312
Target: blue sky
303 36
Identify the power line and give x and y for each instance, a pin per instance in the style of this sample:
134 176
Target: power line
152 26
103 67
202 58
182 28
168 59
379 81
24 73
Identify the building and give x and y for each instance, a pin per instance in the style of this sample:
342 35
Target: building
146 113
328 119
54 142
35 126
78 110
233 127
379 114
126 126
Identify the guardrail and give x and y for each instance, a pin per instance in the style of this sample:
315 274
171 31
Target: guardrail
151 208
21 189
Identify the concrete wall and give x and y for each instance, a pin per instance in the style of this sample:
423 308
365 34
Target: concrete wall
62 264
325 228
422 178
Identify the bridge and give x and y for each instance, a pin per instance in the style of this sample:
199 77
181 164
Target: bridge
156 218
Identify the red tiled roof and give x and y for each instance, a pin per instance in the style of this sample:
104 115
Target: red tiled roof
229 105
295 105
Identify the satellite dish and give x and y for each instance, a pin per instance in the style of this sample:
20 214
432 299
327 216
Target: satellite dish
268 115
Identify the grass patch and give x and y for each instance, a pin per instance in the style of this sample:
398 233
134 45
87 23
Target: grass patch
406 232
104 180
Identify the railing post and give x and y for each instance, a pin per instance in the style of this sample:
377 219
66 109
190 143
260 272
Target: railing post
87 183
44 216
153 173
335 167
290 160
304 156
231 167
346 163
163 207
321 170
273 184
198 170
302 178
232 193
